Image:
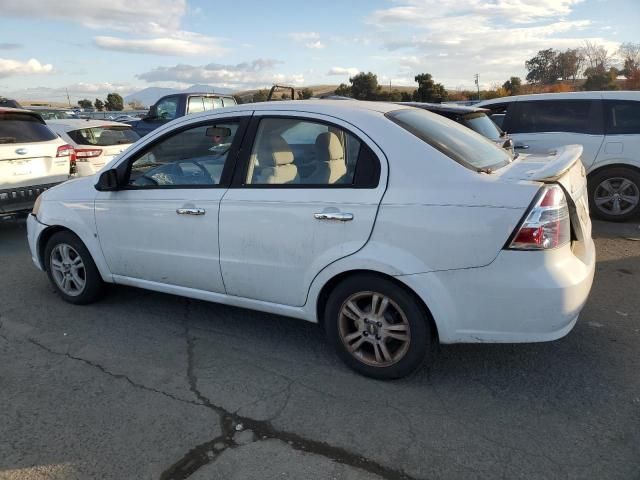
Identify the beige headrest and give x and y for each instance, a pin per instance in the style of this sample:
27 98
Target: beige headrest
275 151
328 147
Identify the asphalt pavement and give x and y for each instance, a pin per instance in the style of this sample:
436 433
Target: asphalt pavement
144 385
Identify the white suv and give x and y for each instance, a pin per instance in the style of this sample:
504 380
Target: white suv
606 124
32 159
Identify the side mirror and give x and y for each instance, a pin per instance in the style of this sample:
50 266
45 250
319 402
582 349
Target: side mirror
153 113
108 181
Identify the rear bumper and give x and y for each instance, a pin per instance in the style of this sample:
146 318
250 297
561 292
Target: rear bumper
519 297
20 199
34 229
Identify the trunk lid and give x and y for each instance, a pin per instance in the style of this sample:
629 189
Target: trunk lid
562 166
27 164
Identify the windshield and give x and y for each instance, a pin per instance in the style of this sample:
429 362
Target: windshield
104 136
18 127
481 123
454 140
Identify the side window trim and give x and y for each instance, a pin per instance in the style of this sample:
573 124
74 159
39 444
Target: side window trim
124 168
244 157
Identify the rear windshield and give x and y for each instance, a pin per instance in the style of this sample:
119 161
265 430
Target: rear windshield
454 140
479 122
104 136
16 127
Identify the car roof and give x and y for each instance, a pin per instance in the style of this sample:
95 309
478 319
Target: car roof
595 95
330 107
71 124
442 107
18 110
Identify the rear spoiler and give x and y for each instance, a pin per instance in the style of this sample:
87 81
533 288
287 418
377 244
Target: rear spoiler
564 158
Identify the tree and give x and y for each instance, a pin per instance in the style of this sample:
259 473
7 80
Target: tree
99 104
543 67
261 95
343 90
568 64
630 55
406 97
428 90
114 102
364 86
136 105
596 56
305 94
85 103
600 79
512 86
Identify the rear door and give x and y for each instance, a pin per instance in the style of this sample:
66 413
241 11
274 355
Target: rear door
622 124
542 126
307 195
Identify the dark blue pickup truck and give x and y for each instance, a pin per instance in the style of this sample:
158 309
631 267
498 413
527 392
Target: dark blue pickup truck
177 105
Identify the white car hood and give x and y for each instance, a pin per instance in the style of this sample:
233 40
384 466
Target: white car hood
76 189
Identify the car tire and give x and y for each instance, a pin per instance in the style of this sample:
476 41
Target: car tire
378 328
611 185
71 269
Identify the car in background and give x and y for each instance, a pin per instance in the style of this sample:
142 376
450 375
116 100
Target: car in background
472 117
95 142
7 102
49 113
32 159
606 124
380 221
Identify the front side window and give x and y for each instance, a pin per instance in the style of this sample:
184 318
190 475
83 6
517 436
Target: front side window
451 138
192 157
622 117
302 152
167 108
553 116
229 101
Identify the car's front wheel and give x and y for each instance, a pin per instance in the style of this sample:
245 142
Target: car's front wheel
71 269
377 327
614 193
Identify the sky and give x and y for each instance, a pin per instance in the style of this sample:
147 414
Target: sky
90 48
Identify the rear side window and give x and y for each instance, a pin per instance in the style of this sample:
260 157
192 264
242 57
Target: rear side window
574 116
622 117
479 122
104 136
18 127
229 102
452 139
195 105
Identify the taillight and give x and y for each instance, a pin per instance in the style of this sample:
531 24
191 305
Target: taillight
64 151
82 154
547 224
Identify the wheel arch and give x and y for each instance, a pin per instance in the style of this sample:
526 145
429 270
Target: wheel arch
613 164
329 286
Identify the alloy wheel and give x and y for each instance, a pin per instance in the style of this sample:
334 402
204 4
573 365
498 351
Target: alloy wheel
616 196
68 269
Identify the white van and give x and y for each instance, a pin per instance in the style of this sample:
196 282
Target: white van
32 159
606 124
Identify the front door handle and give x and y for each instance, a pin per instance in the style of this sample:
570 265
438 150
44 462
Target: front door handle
339 216
190 211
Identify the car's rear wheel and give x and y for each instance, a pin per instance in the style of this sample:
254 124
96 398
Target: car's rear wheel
377 327
614 194
71 269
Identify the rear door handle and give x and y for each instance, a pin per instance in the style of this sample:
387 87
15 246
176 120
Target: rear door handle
339 216
520 146
190 211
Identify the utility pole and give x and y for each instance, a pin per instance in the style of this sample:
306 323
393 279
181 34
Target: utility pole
68 99
476 76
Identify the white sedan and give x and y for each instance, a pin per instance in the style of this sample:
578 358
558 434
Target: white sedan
95 142
391 226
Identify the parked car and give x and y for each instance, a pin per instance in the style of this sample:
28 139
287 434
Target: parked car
7 102
95 142
606 124
391 226
472 117
49 113
178 105
32 159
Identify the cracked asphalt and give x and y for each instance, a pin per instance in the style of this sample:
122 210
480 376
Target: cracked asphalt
151 386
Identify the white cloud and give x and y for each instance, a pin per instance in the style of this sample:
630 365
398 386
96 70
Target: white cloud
187 45
315 45
10 67
343 71
258 73
140 16
308 39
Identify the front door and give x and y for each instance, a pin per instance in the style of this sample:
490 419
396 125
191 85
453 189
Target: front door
307 195
162 225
